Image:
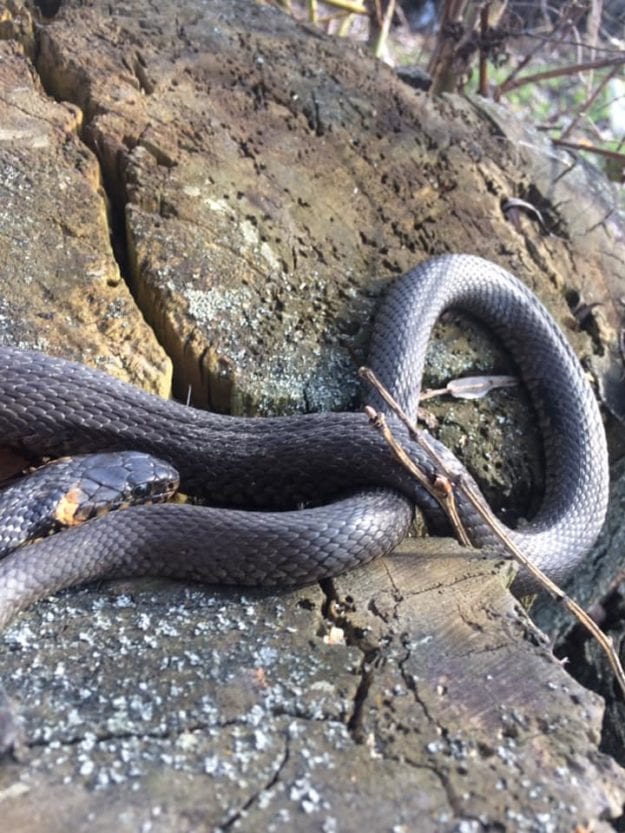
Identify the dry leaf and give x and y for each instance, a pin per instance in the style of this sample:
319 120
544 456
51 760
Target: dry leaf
472 387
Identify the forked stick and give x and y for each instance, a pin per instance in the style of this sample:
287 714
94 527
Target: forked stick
443 490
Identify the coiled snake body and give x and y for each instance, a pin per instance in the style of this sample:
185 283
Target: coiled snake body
52 407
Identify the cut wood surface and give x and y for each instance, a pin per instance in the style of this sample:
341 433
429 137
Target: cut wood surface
413 695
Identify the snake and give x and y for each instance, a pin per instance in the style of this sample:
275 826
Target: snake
73 490
300 498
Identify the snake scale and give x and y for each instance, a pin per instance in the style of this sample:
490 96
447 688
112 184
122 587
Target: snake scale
51 407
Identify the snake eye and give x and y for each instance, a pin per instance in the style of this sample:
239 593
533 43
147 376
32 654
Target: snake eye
141 490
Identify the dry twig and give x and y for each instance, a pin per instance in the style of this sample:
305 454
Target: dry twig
544 75
609 154
460 485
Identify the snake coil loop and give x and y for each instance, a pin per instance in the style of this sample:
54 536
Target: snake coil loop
52 407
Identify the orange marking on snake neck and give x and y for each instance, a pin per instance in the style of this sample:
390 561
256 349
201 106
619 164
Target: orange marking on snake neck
66 508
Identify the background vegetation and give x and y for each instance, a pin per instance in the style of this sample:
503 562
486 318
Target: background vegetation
560 62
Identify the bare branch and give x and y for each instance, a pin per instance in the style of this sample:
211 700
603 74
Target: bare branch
570 69
475 499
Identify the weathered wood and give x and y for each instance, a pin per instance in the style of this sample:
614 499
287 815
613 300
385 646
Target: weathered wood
61 287
410 693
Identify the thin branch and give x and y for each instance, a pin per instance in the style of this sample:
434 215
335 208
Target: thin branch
592 97
510 79
369 376
348 6
483 61
379 41
345 25
570 69
438 488
461 485
551 41
610 154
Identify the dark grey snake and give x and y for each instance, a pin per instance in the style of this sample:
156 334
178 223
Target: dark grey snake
52 407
